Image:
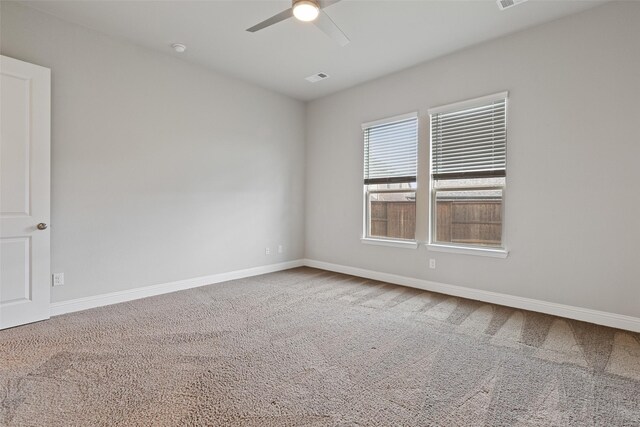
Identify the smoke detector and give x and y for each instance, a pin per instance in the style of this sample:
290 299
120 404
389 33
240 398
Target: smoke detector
317 77
506 4
179 47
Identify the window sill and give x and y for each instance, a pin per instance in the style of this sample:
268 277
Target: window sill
495 253
407 244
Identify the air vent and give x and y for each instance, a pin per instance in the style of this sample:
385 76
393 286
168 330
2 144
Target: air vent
506 4
317 77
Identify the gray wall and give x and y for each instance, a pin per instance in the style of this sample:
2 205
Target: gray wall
572 201
165 171
161 170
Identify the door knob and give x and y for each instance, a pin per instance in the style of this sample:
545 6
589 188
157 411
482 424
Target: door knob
42 226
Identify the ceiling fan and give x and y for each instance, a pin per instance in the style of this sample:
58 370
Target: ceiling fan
308 11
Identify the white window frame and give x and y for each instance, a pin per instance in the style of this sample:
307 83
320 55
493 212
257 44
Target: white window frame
460 248
381 241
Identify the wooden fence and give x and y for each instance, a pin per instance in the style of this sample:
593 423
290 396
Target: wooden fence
393 219
459 221
477 222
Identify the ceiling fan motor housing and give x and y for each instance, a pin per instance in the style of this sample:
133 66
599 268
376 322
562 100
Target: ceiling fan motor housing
315 2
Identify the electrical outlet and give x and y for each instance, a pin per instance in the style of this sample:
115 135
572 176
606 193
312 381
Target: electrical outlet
267 251
432 263
58 279
280 249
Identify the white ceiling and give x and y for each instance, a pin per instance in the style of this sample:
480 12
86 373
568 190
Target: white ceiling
386 36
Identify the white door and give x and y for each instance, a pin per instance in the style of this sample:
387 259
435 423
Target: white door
25 115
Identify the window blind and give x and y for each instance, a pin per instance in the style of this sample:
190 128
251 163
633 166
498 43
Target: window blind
391 151
469 142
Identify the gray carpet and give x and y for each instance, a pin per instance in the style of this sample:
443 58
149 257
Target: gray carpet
307 347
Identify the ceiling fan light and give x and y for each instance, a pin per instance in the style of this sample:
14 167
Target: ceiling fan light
306 10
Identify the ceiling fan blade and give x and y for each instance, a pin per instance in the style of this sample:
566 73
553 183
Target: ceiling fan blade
273 20
326 24
325 3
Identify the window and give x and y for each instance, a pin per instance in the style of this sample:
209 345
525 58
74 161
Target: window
390 168
468 173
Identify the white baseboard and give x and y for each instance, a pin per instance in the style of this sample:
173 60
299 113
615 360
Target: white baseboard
79 304
584 314
577 313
